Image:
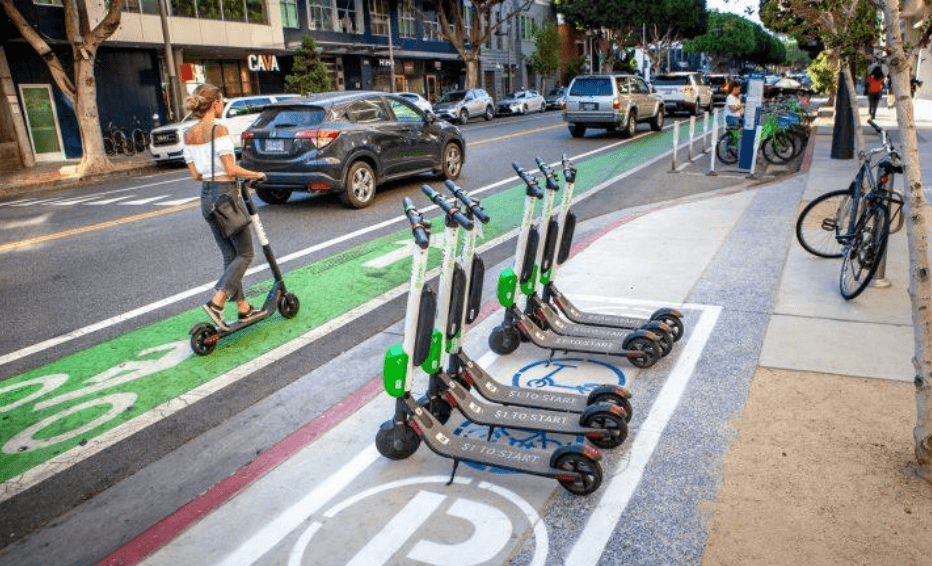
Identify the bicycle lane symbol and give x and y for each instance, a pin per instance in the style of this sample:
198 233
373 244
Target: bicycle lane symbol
476 524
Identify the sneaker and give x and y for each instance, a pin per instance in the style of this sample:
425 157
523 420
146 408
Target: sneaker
253 311
215 313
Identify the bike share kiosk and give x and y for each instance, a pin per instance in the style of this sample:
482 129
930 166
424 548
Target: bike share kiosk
750 133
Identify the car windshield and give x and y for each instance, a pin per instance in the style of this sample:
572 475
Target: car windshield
454 96
671 81
591 87
282 117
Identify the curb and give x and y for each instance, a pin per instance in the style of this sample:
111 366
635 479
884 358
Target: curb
13 188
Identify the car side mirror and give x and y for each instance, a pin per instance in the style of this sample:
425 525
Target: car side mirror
429 117
653 89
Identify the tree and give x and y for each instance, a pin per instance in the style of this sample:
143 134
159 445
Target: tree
308 73
824 74
546 57
80 86
727 36
467 30
900 58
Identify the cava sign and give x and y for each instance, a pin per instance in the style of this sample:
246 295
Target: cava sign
262 63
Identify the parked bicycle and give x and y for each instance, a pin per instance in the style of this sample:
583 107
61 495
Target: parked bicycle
854 223
139 136
116 141
783 135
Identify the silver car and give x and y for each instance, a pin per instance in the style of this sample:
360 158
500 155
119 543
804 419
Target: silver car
684 91
611 102
461 105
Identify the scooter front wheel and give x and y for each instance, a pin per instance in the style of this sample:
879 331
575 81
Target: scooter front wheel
204 339
288 305
396 441
504 341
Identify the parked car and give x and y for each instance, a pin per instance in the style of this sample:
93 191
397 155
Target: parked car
418 100
785 87
461 105
167 142
554 98
684 91
522 102
719 85
348 143
611 102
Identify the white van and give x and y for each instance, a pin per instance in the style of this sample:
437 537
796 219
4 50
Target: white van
238 114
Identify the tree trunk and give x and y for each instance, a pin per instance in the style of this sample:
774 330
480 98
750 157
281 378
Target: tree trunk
472 69
855 113
94 159
920 289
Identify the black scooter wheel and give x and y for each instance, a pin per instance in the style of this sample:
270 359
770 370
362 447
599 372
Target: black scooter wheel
610 419
585 474
504 341
396 441
597 397
204 339
649 351
674 322
664 334
288 305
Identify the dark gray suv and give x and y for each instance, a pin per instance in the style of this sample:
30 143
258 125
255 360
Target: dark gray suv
348 143
611 102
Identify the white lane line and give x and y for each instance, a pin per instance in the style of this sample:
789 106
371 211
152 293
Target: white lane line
74 334
177 201
69 202
20 202
615 497
143 200
108 200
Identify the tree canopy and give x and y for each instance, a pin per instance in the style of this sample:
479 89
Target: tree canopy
308 73
730 36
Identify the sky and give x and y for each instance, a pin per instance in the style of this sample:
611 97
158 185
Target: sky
735 6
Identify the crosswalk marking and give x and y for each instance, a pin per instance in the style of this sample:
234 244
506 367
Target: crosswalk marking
144 200
108 200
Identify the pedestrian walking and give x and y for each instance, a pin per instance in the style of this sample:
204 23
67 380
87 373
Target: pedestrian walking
208 152
873 88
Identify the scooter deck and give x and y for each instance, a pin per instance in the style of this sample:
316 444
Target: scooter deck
511 416
570 328
442 440
497 392
553 341
268 308
596 319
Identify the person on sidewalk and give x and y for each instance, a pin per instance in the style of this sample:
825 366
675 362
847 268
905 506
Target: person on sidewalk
208 152
873 88
734 110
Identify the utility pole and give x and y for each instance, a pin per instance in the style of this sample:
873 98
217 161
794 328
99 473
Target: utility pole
173 83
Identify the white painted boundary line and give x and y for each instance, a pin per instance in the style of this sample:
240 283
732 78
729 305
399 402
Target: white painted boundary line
118 319
598 530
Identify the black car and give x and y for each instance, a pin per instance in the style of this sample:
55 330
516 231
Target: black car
348 143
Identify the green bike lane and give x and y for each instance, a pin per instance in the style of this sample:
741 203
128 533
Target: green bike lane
57 414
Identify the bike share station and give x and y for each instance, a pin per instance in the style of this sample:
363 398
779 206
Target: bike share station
454 462
751 130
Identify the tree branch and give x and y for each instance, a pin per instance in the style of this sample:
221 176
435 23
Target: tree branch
42 48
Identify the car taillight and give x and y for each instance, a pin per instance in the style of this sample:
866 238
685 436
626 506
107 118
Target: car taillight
562 105
616 104
320 138
247 135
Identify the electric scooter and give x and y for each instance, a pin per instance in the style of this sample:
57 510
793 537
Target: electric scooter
641 347
463 368
575 467
542 313
204 336
603 424
562 228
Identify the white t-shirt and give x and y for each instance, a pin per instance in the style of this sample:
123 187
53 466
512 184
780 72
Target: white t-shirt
199 155
733 101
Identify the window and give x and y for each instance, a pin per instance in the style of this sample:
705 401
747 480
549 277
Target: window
407 26
320 14
527 27
289 13
184 8
378 14
255 12
209 9
404 112
467 20
244 107
130 6
364 111
432 26
233 10
54 3
500 32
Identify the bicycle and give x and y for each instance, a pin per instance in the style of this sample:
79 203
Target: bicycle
139 136
818 225
115 141
781 139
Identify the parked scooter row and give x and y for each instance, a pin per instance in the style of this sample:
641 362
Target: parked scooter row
435 326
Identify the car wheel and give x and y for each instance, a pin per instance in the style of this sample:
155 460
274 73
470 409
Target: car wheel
543 108
656 122
273 196
489 113
464 116
577 130
359 185
451 161
694 111
631 126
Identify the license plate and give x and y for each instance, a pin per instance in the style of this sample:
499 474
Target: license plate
590 105
275 145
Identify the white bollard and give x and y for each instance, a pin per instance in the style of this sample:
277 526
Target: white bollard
751 174
676 142
692 134
714 143
705 131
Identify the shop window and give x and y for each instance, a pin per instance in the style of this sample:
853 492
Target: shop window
234 10
320 14
378 15
255 12
407 24
209 10
184 8
289 13
349 16
233 77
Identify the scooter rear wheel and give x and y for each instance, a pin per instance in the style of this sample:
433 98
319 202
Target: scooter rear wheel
288 305
504 341
396 441
588 470
608 417
674 322
650 352
204 339
597 397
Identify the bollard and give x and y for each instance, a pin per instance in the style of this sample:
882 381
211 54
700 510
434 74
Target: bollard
676 142
705 131
752 173
692 133
880 280
711 170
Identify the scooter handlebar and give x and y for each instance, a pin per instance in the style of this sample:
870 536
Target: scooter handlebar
473 205
447 207
569 170
549 175
533 187
419 227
